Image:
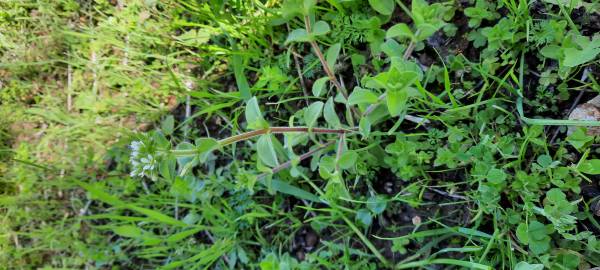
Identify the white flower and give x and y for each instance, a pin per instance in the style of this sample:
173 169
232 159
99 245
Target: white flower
142 163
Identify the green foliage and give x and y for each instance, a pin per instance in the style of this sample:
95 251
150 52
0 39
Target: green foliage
483 10
385 7
535 235
297 134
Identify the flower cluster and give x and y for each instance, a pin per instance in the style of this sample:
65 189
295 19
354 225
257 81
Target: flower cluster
142 162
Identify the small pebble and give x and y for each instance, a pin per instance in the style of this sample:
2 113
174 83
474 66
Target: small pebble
416 220
589 111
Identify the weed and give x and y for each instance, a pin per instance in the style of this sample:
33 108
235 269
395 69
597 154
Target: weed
298 134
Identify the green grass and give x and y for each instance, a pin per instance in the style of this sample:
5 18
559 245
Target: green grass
297 134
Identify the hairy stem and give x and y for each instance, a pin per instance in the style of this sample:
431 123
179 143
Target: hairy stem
280 130
270 130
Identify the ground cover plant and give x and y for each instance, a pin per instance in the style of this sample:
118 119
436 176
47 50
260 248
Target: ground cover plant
299 134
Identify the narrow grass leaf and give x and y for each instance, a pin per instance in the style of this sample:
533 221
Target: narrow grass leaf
288 189
237 63
112 200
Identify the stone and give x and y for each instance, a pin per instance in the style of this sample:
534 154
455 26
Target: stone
589 111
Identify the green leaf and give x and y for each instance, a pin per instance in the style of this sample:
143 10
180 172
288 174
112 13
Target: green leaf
364 126
332 54
330 116
204 145
575 57
522 233
400 30
308 5
194 37
237 62
348 159
129 231
590 166
551 51
579 139
539 241
426 30
392 48
186 147
288 189
364 218
298 35
100 194
496 176
167 168
319 86
327 163
320 28
527 266
396 102
361 96
266 151
168 125
183 235
253 115
357 60
312 113
376 204
385 7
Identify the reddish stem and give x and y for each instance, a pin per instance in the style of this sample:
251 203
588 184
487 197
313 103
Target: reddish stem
280 130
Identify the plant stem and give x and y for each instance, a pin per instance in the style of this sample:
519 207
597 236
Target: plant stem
326 68
304 156
300 76
328 71
365 240
339 152
280 130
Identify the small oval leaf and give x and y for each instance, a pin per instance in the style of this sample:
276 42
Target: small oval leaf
266 151
320 28
312 113
318 86
361 96
385 7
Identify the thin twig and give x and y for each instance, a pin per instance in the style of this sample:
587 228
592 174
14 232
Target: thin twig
280 130
326 68
302 157
271 130
339 152
300 76
455 196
